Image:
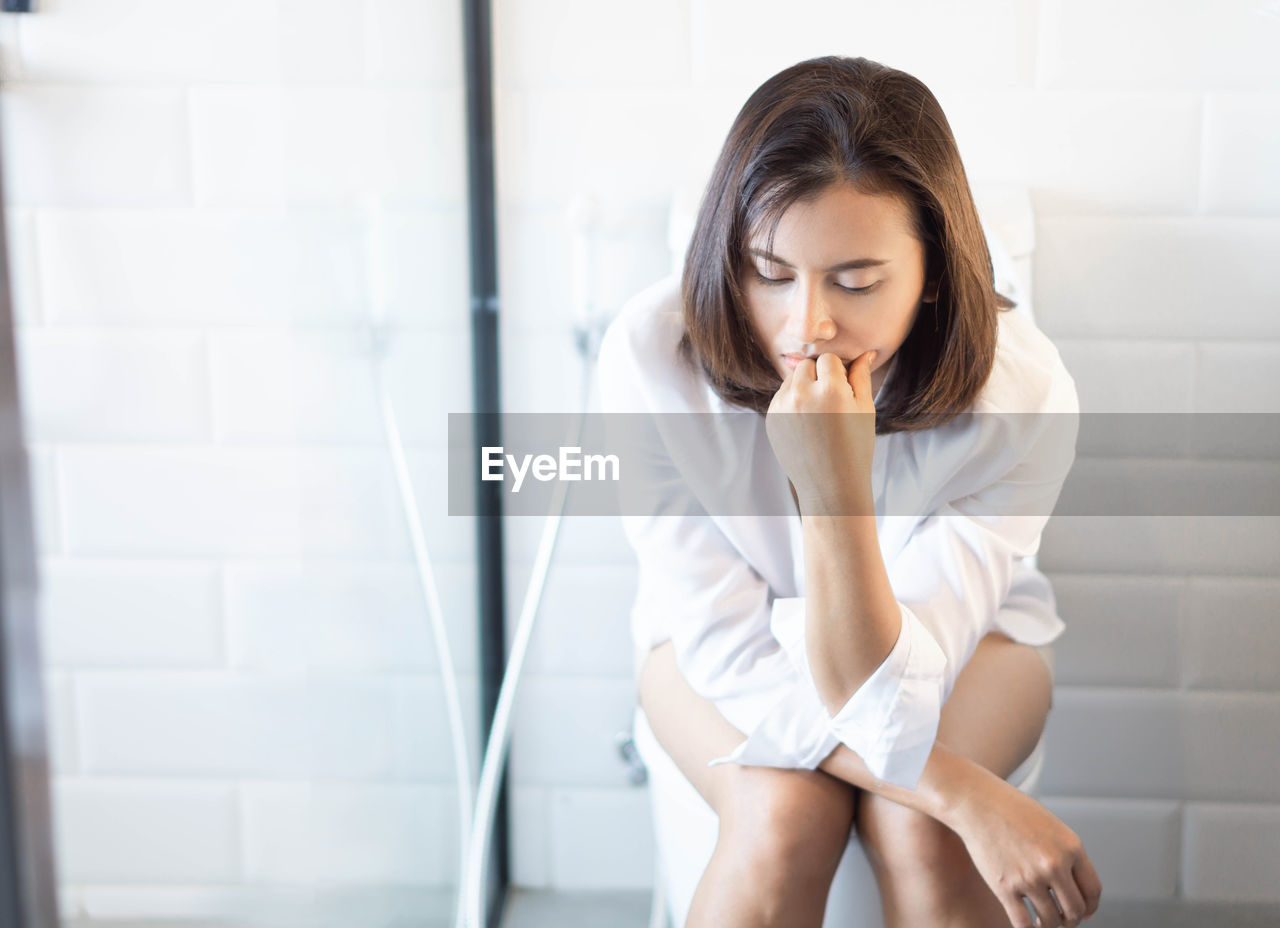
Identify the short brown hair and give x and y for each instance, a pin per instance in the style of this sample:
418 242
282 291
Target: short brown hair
824 121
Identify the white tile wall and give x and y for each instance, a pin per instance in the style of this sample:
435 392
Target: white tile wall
244 696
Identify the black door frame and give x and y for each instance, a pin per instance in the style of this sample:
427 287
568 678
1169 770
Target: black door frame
486 403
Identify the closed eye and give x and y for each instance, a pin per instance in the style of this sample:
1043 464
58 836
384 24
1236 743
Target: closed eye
783 280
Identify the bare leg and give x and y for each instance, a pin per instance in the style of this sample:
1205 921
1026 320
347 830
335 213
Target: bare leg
995 716
693 731
782 832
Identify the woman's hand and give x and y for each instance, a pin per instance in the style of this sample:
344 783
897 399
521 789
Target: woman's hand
828 458
1020 848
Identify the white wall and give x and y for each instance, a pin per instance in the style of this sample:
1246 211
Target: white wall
204 200
1148 134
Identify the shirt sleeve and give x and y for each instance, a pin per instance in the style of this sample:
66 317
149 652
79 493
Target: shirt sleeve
694 587
950 578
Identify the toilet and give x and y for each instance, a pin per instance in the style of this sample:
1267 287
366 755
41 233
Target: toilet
685 826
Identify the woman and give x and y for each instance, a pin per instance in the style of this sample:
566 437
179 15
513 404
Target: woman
838 266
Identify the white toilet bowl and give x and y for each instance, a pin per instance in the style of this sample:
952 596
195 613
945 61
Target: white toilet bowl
685 829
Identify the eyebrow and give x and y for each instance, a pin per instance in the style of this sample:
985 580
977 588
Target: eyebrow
842 266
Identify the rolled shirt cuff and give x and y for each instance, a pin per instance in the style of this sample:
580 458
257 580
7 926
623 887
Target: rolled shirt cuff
891 721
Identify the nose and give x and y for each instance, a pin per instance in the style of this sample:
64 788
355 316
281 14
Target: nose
808 320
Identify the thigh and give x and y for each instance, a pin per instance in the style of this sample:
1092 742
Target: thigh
693 731
994 716
998 707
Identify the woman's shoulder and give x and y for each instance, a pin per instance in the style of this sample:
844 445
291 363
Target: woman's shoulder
639 353
1028 375
649 324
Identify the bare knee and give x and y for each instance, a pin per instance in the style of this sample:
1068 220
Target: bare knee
910 848
788 828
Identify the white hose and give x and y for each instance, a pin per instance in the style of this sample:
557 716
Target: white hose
471 897
379 345
582 217
475 834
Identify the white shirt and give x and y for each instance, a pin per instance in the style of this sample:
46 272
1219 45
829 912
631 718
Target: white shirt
728 590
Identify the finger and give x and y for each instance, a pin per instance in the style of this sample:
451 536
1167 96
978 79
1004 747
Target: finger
1016 912
829 365
860 374
1047 915
1090 885
1069 900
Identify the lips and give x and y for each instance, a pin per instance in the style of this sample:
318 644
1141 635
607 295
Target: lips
794 359
798 359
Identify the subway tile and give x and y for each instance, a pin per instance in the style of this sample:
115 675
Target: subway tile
582 539
541 43
325 385
628 252
422 734
115 146
564 731
139 41
1135 845
153 42
1242 377
333 502
1118 743
347 616
220 725
60 725
1121 544
1109 277
278 842
1232 852
583 623
1190 46
179 502
414 41
1237 545
131 613
294 385
206 267
1231 634
146 831
998 55
338 145
1241 149
531 864
1232 746
544 373
601 839
554 144
1121 631
46 505
10 60
1130 376
1049 142
87 385
1092 153
321 41
1167 486
235 902
23 267
345 834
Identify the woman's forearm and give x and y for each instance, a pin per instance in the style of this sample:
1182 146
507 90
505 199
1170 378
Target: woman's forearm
948 781
852 618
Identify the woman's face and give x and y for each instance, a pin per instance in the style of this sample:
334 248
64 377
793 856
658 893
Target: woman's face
846 274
